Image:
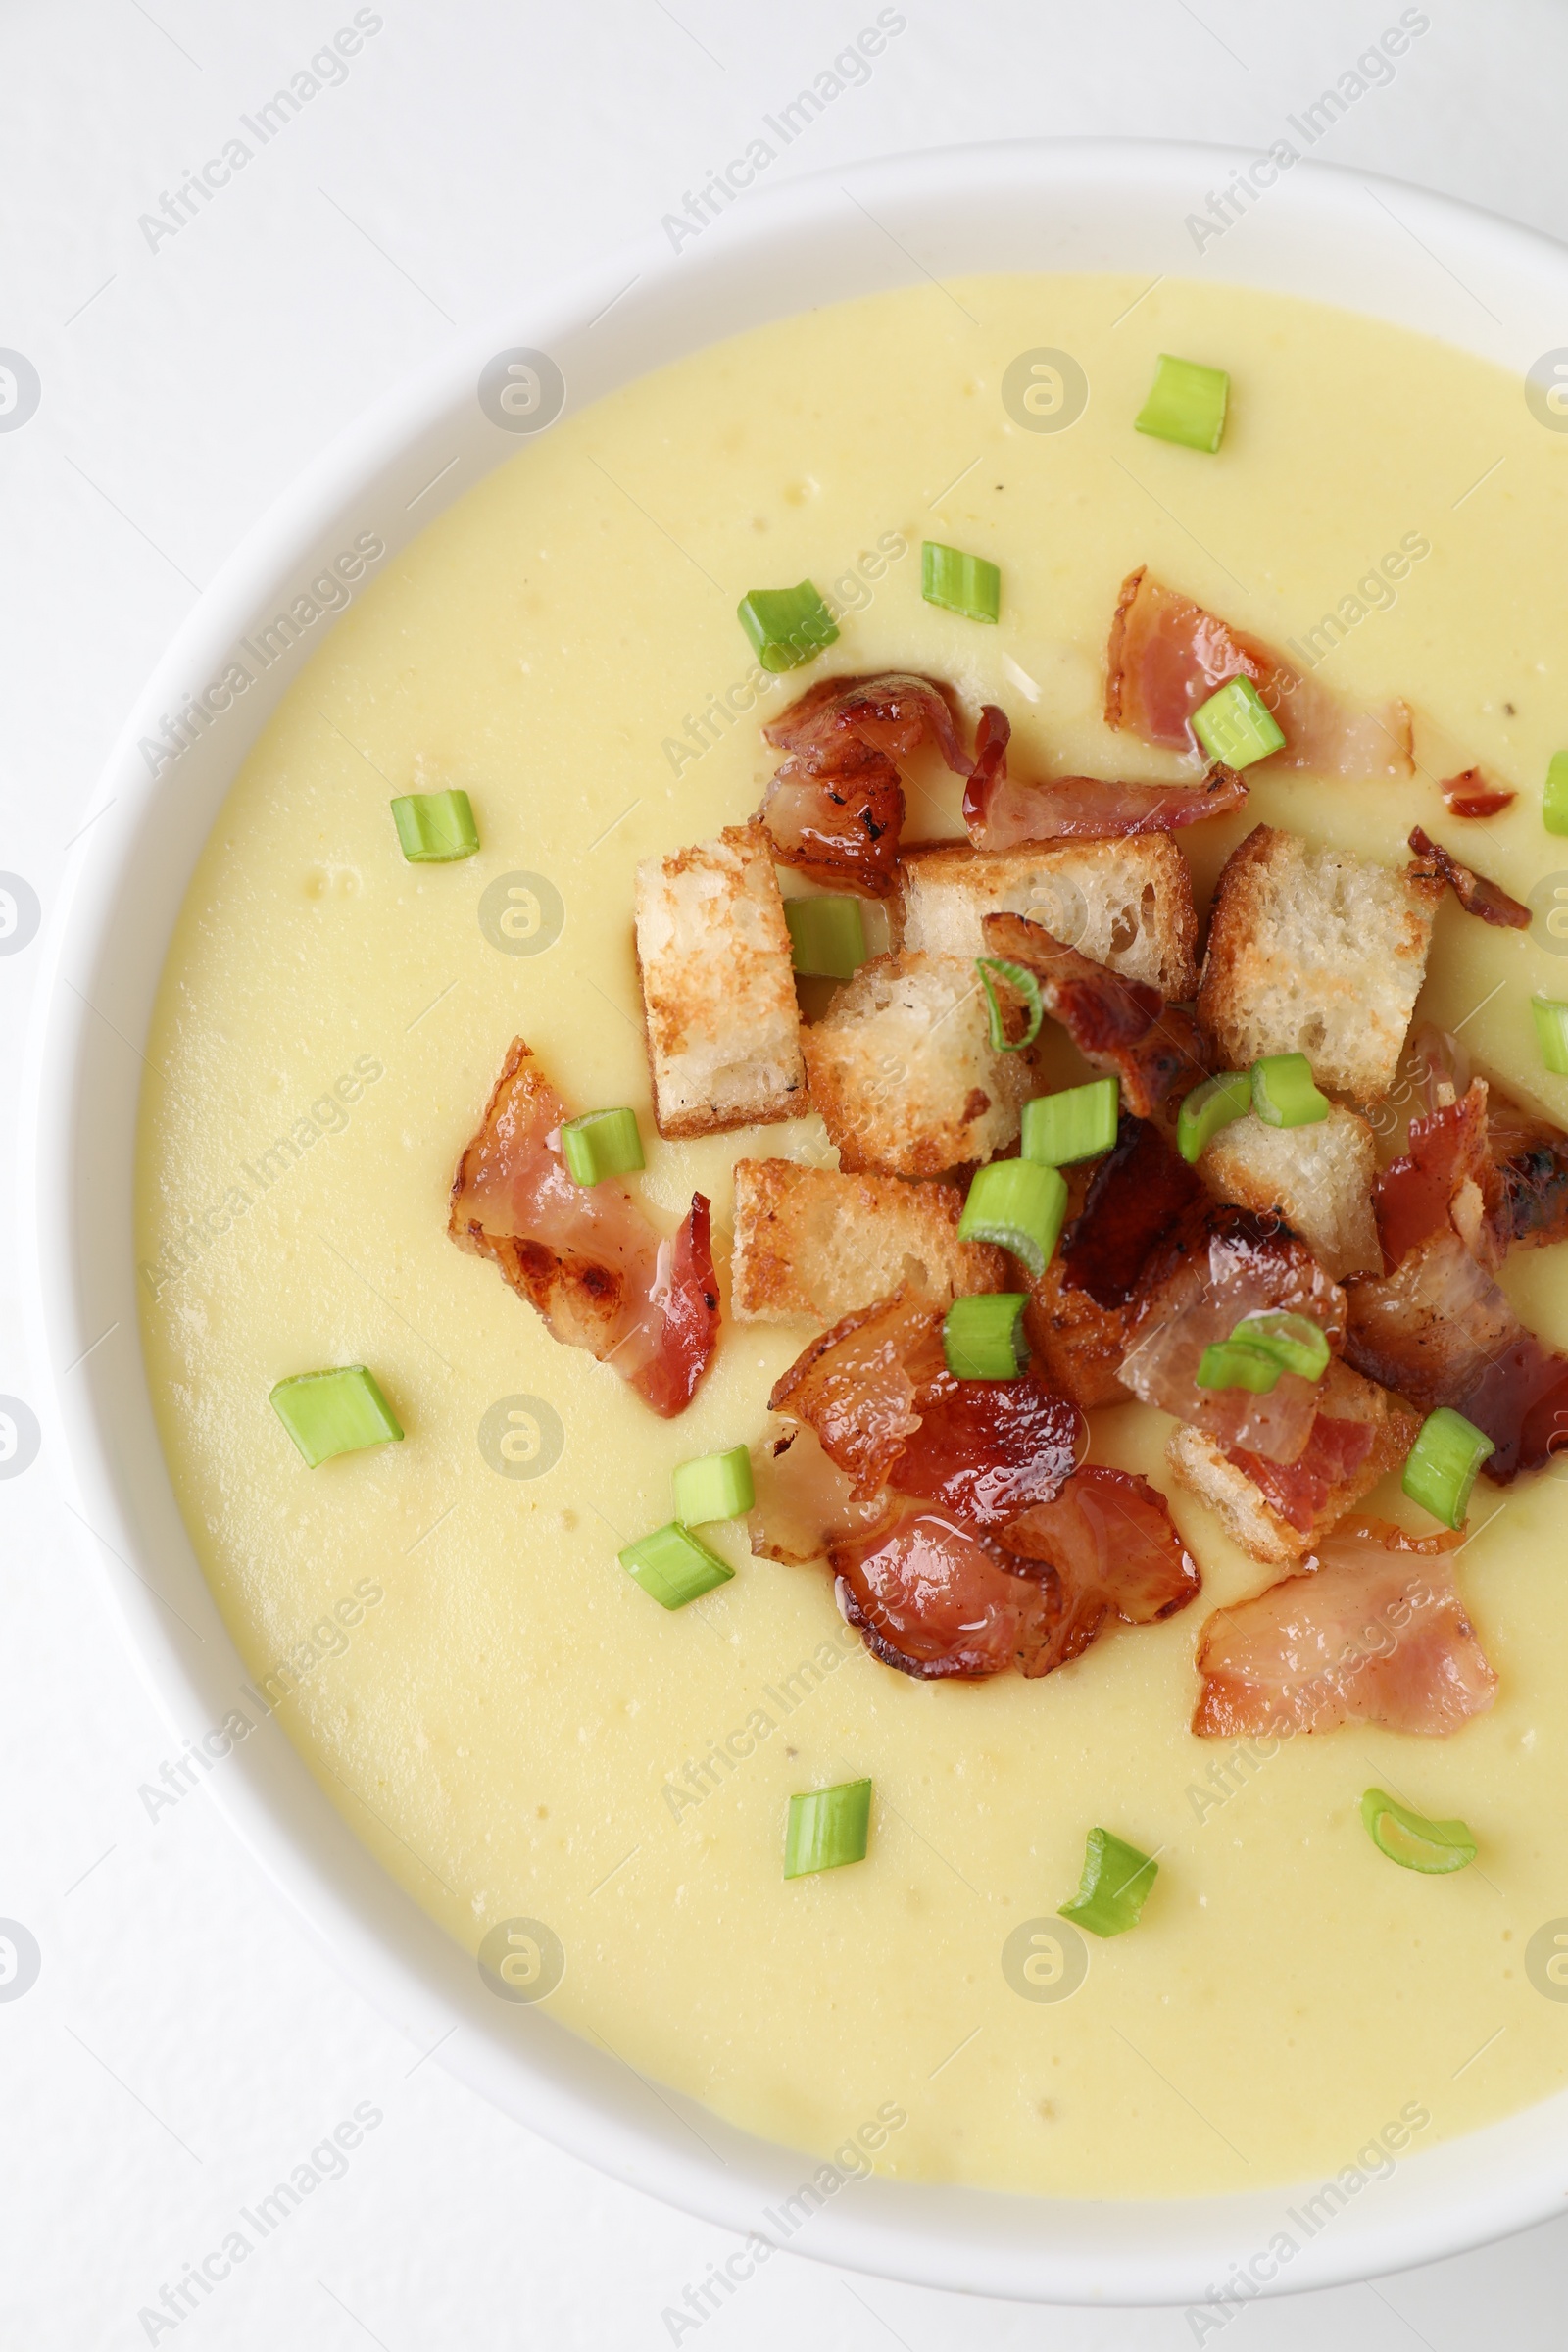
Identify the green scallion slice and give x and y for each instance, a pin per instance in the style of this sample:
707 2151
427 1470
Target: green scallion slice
960 583
435 828
1079 1123
1019 1206
1236 726
601 1144
827 1828
982 1335
1295 1341
1554 798
716 1486
827 936
673 1566
1440 1467
1114 1885
1020 977
1187 403
1551 1033
1414 1842
786 626
1284 1093
1232 1364
335 1412
1211 1107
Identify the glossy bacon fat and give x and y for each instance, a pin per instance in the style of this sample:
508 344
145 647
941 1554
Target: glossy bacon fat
585 1255
1168 655
1110 1543
1156 1050
1373 1633
835 808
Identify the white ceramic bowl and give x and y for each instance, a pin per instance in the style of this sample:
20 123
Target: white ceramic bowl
1478 282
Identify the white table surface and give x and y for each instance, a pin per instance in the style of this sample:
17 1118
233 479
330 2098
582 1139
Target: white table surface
182 2048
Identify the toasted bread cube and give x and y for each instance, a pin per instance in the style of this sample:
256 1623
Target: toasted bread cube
1126 904
1319 1178
718 987
1251 1515
812 1243
1317 951
903 1072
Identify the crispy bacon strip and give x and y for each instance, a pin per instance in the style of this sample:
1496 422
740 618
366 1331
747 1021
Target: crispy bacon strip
986 1449
857 1384
1154 1048
835 808
1000 811
1298 1490
1110 1540
1168 655
1475 894
585 1255
1138 1194
937 1601
1373 1633
1531 1158
1473 795
1446 1178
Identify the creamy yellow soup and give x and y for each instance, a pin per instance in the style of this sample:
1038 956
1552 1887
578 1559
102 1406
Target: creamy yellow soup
510 1723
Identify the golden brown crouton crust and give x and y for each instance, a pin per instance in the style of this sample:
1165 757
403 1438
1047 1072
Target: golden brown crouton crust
1126 902
812 1243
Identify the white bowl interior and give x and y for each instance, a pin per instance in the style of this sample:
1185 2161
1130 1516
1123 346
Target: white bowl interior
1099 206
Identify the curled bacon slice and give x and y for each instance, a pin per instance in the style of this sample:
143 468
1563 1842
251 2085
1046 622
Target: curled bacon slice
835 808
1531 1158
986 1449
805 1504
1227 1262
1138 1194
585 1255
1446 1177
857 1384
1154 1048
1168 655
1373 1633
937 1601
1110 1540
1001 812
1473 795
1475 894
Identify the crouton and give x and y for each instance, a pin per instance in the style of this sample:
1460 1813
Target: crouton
1319 1179
903 1072
1317 951
1078 1343
1251 1511
812 1242
1127 903
718 987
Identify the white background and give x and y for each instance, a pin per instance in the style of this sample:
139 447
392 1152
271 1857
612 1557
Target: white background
182 2048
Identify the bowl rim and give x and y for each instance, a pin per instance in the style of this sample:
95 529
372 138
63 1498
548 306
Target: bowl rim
1097 204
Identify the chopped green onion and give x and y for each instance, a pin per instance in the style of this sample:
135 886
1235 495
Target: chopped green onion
1295 1341
1020 977
1284 1094
827 936
1551 1033
673 1566
1414 1842
1232 1364
1211 1107
601 1144
435 828
827 1828
1187 403
716 1486
982 1335
335 1412
1079 1123
1114 1885
1554 799
1019 1206
1236 726
960 583
786 626
1440 1468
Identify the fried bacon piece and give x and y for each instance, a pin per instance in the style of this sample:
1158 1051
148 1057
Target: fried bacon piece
805 1504
1475 894
1374 1632
937 1601
1299 1491
986 1449
1474 795
1531 1158
856 1386
1112 1545
1168 655
584 1255
1223 1264
1446 1177
1156 1050
1138 1194
835 808
1001 812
